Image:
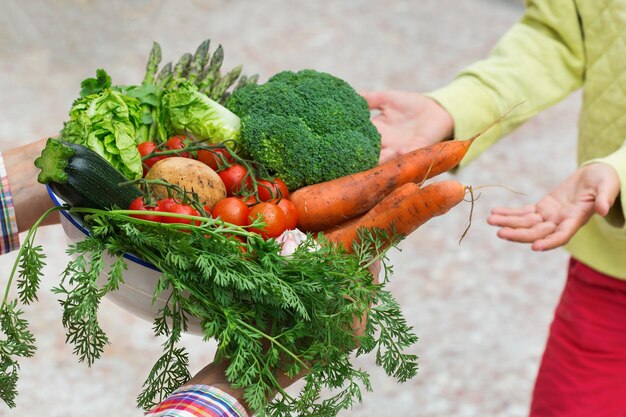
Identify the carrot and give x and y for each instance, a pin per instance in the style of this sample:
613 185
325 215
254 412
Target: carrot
326 204
403 210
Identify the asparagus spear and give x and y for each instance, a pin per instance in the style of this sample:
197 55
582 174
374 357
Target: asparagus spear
212 72
153 63
164 75
182 66
200 59
243 80
224 83
253 79
154 59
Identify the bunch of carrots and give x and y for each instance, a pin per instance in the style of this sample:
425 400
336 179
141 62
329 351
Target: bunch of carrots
389 196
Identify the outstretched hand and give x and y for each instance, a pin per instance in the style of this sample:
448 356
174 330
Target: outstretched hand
407 121
553 221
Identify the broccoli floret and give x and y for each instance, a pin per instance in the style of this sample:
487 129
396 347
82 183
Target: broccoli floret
306 127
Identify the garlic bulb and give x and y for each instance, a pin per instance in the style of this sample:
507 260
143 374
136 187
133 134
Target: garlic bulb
290 240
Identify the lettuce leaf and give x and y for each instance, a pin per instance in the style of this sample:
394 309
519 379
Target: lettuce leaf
185 110
107 122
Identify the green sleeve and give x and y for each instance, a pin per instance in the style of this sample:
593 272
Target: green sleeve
537 63
617 160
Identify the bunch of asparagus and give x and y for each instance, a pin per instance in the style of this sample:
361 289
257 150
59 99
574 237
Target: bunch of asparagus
201 69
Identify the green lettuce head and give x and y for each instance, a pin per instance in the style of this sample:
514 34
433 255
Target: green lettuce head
188 111
107 122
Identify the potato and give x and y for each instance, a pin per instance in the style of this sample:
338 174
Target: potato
192 176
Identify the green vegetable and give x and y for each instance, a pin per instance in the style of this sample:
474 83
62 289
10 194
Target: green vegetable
185 110
202 70
108 122
306 127
271 315
96 85
82 178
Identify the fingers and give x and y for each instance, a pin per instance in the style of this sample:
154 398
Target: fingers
515 221
542 228
505 211
527 235
559 237
604 200
375 99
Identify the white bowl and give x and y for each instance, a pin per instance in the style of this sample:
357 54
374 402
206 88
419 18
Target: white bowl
135 293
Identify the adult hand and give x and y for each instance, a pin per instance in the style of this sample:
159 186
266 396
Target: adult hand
30 198
557 217
407 121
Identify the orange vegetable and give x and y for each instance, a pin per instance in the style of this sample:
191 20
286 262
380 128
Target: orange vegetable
403 210
329 203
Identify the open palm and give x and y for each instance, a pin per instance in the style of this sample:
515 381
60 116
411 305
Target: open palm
553 221
407 121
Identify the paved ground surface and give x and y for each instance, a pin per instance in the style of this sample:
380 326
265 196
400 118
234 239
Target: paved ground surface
481 308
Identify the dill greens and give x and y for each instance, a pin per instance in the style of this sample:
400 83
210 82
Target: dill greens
273 317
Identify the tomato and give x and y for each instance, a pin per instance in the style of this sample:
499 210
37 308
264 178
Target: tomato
178 142
232 210
138 204
236 179
165 204
275 188
291 212
178 208
146 148
250 200
214 158
273 217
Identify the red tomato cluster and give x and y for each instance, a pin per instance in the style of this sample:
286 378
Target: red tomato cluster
167 205
214 158
241 207
278 216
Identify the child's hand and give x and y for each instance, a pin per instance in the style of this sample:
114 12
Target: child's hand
557 217
407 121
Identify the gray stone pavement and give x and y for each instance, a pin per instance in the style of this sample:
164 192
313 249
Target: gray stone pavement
481 308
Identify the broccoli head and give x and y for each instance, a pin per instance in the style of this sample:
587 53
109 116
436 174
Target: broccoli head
306 127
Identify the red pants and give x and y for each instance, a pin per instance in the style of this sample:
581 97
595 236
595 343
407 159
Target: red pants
583 369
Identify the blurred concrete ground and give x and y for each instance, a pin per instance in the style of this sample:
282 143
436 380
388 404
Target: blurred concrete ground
481 307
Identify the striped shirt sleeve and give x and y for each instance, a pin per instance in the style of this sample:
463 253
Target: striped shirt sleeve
9 238
198 401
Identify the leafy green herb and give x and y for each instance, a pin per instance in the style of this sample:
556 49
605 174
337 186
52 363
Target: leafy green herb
17 340
272 316
96 85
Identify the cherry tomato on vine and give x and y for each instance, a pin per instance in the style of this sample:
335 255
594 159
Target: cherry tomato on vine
138 204
273 217
178 142
178 208
250 200
146 148
290 210
236 179
213 157
165 204
232 210
275 188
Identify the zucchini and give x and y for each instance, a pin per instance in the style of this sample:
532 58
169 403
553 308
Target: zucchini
82 178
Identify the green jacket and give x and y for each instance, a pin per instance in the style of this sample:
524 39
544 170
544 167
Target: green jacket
556 48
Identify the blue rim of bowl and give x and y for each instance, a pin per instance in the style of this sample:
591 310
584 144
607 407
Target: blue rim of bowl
57 202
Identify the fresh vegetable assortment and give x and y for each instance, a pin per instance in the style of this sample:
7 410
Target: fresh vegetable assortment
205 175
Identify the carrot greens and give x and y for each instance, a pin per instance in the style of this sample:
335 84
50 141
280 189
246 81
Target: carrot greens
272 316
